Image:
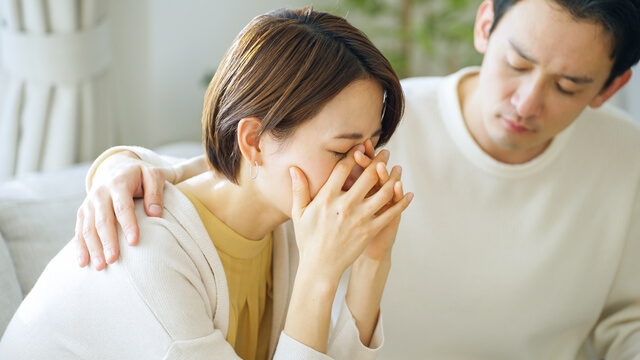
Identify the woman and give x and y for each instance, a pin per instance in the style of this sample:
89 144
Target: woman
299 99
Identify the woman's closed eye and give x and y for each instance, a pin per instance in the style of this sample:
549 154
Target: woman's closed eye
339 154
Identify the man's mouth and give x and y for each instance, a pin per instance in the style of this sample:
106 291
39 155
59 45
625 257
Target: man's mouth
513 126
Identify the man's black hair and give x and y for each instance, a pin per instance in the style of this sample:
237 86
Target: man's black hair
620 18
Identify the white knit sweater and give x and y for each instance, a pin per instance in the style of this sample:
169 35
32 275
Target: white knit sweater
497 261
166 298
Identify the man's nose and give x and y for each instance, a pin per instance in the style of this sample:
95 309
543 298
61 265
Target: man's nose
528 99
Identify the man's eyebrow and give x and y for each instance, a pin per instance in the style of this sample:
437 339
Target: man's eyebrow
578 79
574 79
356 136
521 52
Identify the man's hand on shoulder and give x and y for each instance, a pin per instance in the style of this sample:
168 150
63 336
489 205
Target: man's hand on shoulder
119 179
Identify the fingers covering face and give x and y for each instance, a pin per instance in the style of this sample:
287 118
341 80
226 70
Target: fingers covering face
342 170
369 177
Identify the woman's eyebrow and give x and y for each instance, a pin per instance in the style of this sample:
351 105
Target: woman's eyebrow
356 136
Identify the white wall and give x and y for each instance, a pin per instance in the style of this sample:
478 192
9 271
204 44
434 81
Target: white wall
187 40
632 94
130 30
162 49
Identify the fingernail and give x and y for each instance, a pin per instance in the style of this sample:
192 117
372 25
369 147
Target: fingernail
155 209
410 196
108 253
398 170
96 260
360 147
130 238
294 174
80 260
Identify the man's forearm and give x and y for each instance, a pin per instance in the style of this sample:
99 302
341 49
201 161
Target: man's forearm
190 168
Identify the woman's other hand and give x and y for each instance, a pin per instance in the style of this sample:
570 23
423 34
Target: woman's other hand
380 246
332 231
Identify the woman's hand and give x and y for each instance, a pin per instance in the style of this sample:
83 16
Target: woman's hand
332 231
370 270
339 224
118 180
380 247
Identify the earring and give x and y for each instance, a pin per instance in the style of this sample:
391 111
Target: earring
384 105
251 171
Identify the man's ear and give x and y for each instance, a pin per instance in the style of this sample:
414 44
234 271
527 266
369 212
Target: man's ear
482 28
249 139
610 90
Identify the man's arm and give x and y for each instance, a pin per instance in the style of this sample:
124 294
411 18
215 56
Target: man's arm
114 179
617 333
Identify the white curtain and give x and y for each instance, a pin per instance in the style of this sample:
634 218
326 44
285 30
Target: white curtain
57 99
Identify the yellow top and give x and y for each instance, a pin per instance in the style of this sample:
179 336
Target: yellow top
247 265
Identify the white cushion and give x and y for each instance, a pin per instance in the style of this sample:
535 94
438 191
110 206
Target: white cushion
37 218
9 287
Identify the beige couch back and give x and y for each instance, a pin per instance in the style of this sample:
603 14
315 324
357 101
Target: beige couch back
37 218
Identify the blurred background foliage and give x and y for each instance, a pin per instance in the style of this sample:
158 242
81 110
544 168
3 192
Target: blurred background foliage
419 37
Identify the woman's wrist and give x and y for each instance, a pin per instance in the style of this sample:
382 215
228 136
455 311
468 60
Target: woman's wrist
371 266
367 280
316 281
364 293
319 269
309 314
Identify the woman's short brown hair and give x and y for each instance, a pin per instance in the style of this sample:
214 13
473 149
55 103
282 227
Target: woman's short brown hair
282 68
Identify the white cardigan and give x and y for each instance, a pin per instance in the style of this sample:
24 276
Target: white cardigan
166 298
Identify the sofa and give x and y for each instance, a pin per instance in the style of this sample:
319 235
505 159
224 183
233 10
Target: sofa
37 218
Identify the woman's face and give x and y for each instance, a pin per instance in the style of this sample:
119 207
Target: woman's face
315 147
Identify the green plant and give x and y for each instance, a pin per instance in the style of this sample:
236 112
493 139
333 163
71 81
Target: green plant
419 37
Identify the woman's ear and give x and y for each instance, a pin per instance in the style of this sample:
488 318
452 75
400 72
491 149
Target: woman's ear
482 28
249 139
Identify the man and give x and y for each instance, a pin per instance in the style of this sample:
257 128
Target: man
523 240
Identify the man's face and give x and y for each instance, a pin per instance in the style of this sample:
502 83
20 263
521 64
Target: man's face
541 68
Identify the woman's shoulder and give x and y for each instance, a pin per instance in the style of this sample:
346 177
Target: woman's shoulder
178 238
163 286
175 267
179 221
